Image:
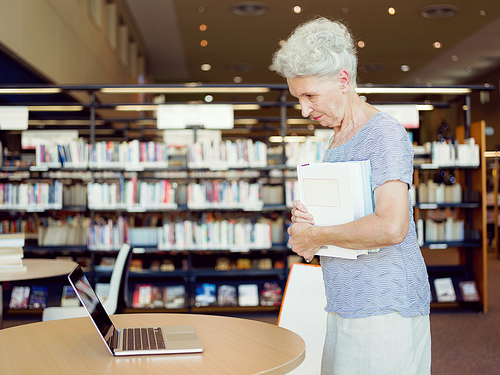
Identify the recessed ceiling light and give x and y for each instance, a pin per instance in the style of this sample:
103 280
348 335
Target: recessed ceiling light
237 79
391 11
249 9
203 27
454 58
297 9
203 43
482 12
345 10
437 45
438 11
201 9
209 98
206 67
405 68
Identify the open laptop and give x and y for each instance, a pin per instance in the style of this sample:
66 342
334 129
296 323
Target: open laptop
133 340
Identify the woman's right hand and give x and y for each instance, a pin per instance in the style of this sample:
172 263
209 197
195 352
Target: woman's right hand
300 214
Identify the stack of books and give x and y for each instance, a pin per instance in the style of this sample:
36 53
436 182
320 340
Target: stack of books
11 252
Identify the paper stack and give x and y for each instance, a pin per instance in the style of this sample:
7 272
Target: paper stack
11 252
337 193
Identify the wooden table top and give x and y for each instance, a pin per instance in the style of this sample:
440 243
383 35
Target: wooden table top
39 269
73 346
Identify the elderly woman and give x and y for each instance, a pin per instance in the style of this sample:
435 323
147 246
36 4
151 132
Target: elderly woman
378 304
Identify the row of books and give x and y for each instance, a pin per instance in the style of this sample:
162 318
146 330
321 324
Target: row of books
132 194
450 230
31 196
70 231
431 192
133 153
227 154
75 195
309 151
235 235
11 252
74 154
455 154
225 194
108 235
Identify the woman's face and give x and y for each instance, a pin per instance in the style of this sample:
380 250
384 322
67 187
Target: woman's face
321 99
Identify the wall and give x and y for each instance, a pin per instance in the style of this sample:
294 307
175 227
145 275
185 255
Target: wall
63 41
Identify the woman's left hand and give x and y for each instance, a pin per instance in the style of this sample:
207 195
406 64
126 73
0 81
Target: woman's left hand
303 240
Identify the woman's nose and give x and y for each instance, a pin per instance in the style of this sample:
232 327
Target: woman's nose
306 110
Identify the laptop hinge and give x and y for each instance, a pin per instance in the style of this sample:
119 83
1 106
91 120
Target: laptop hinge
115 339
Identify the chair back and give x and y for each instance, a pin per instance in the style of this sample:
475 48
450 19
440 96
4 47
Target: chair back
116 302
303 312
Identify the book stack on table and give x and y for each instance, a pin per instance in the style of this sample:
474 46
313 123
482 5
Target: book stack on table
11 252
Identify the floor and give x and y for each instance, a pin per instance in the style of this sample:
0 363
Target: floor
463 343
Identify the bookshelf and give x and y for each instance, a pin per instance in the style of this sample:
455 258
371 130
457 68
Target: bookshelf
136 169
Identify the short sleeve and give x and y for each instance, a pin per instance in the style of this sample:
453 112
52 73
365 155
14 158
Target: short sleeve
392 153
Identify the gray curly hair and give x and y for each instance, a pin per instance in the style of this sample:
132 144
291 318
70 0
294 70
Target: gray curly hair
319 47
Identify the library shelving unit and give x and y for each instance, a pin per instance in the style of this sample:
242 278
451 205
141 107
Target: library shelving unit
93 111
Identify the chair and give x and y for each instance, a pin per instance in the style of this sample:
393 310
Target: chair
116 302
303 312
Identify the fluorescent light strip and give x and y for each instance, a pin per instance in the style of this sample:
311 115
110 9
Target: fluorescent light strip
30 91
182 90
299 121
288 138
50 108
138 107
424 107
246 121
491 154
246 107
410 90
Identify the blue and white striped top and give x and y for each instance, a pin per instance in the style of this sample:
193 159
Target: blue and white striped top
395 278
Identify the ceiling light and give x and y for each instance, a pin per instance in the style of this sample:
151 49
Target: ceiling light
249 9
361 44
188 89
454 58
201 9
246 121
136 107
438 11
288 139
412 90
297 9
300 121
437 45
208 98
203 27
345 10
246 107
66 108
206 67
482 12
405 68
424 107
53 90
237 79
203 43
391 11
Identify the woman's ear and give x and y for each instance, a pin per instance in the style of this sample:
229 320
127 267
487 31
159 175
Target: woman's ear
344 80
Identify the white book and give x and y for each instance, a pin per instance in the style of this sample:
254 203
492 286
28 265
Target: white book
337 193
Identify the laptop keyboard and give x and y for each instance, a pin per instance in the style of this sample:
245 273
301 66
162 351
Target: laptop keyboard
143 338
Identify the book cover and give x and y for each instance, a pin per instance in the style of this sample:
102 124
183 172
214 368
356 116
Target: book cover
248 295
143 296
337 193
38 297
469 291
227 295
69 298
19 297
271 295
205 295
444 290
12 240
175 297
157 299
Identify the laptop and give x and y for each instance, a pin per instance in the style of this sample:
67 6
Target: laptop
133 340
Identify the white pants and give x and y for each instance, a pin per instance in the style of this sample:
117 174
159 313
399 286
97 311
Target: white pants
378 345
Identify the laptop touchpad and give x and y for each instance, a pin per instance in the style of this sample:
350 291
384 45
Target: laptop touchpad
181 336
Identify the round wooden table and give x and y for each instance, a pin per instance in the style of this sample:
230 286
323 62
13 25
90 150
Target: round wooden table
73 346
35 269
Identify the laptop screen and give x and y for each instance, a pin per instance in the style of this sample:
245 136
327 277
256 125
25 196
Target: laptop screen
91 302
